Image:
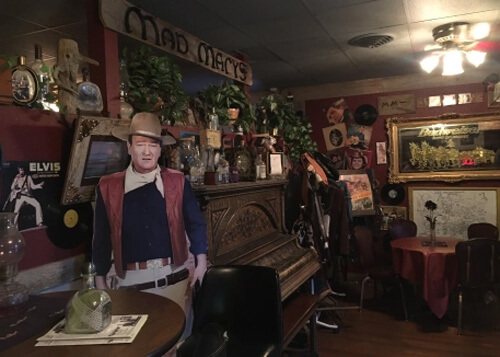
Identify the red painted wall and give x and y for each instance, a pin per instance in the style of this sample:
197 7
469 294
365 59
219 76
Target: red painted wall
314 110
35 135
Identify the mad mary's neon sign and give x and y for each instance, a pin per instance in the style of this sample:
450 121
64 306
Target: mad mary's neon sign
125 18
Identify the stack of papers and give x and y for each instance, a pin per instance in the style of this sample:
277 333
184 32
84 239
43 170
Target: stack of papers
122 329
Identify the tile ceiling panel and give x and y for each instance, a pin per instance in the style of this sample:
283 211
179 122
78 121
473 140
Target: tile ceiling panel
365 17
243 13
303 42
310 47
424 10
284 29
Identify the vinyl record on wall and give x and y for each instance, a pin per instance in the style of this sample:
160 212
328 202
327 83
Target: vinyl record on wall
365 114
393 194
69 225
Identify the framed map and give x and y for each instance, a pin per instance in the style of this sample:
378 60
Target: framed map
457 208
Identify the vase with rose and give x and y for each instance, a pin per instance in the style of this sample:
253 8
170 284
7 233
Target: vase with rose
432 217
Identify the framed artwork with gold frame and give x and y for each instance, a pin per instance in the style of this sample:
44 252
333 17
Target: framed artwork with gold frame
446 148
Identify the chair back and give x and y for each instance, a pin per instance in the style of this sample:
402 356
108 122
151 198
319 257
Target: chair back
478 262
364 242
401 228
246 301
482 230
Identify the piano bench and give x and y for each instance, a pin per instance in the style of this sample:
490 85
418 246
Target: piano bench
296 313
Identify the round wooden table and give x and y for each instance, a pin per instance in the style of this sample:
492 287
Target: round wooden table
162 330
434 268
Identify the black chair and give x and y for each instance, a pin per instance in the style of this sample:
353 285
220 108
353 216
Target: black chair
478 268
375 268
245 302
482 230
401 228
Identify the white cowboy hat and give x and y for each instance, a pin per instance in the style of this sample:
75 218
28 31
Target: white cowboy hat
144 124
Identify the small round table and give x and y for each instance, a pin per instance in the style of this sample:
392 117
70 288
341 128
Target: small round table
162 330
434 268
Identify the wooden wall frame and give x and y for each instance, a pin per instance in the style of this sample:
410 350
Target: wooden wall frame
446 148
457 208
95 152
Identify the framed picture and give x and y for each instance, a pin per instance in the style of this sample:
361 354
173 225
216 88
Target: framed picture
392 212
445 148
335 136
360 191
275 163
381 150
457 208
95 152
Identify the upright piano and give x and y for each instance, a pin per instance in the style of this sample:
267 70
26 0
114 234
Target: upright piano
246 225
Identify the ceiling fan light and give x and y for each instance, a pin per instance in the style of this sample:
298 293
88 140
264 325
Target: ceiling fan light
429 63
452 63
480 30
476 57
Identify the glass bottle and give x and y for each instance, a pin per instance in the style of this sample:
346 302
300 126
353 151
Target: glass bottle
12 294
42 72
24 83
263 126
197 169
222 169
89 310
260 168
213 120
186 152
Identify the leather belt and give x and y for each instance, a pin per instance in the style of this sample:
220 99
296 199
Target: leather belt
149 264
169 280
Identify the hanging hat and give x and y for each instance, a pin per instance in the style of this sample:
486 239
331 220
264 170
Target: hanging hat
144 124
365 114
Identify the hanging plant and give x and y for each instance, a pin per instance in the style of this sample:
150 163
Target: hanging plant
226 96
155 85
296 130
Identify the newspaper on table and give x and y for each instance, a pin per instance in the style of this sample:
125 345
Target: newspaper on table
122 329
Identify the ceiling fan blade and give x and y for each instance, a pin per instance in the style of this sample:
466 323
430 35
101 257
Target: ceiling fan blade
432 47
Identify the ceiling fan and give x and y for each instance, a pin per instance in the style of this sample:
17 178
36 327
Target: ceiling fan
452 41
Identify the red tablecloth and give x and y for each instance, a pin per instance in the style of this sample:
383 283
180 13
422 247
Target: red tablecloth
433 268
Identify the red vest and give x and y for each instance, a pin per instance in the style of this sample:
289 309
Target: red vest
112 190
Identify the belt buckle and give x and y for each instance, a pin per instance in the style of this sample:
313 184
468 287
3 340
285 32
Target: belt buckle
154 263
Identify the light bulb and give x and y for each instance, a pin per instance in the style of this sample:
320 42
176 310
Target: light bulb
452 63
429 63
480 30
475 57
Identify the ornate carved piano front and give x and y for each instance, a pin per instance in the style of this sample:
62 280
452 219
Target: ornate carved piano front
246 226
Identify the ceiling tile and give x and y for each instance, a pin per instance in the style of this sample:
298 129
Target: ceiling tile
423 10
363 17
310 47
281 30
241 13
46 13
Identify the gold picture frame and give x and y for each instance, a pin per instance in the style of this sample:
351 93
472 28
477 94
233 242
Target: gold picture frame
447 148
94 152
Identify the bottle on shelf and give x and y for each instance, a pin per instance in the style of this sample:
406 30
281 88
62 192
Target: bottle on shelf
222 168
213 120
197 169
24 83
89 310
42 72
186 153
260 168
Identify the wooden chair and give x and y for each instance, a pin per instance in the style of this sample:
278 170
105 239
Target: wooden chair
478 268
374 268
482 230
401 228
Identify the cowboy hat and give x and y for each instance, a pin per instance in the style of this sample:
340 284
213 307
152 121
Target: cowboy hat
144 124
